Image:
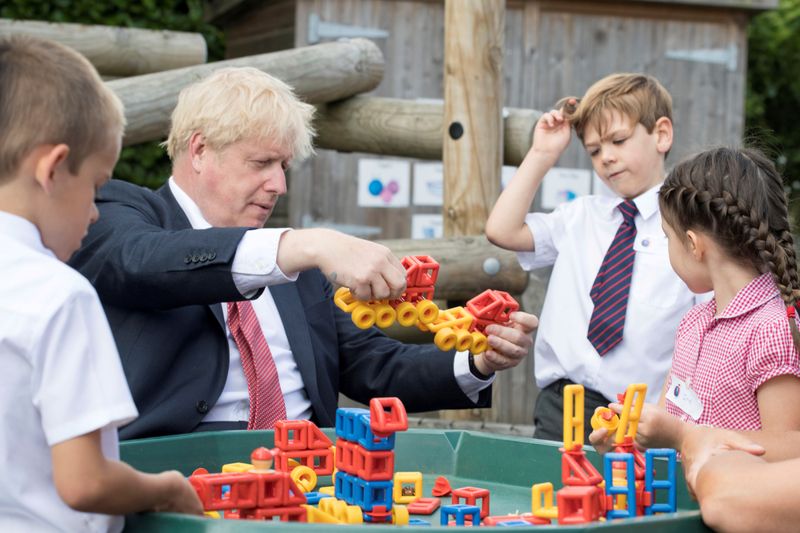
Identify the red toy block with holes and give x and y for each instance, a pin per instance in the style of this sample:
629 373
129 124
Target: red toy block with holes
441 487
345 456
577 505
243 490
373 465
424 506
387 416
320 461
421 270
272 488
576 470
639 463
471 495
317 440
286 514
491 307
291 435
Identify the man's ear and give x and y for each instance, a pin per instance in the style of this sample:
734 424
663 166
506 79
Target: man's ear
696 242
663 131
197 150
48 164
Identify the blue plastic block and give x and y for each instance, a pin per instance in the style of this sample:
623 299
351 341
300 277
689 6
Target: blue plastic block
418 522
629 490
367 438
514 523
313 498
460 512
346 420
652 485
368 494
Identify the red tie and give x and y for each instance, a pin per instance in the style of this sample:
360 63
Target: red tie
263 386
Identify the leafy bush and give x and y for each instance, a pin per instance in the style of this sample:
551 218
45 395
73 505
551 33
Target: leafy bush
147 163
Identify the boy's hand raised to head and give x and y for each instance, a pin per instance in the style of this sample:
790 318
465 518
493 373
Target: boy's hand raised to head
551 136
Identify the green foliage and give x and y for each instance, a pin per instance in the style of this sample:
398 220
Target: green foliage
146 164
773 87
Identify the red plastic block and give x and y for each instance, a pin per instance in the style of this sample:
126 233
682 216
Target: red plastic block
291 435
576 470
387 416
491 307
577 505
441 487
317 440
379 513
373 465
345 456
421 270
286 514
533 520
243 492
423 506
323 467
639 463
471 495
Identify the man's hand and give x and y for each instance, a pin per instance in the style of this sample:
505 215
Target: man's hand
701 443
508 344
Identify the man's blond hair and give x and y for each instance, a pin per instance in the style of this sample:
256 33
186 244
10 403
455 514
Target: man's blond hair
639 97
233 104
50 94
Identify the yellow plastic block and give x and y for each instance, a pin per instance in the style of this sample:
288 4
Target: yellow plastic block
399 515
599 419
304 477
235 468
213 514
542 501
330 491
631 411
573 416
345 300
402 482
317 516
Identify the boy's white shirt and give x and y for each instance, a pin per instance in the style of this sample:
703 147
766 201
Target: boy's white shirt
61 378
574 239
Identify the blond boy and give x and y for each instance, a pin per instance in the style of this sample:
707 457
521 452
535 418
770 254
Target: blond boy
62 390
625 123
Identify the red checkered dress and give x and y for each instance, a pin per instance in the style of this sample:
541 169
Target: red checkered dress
727 358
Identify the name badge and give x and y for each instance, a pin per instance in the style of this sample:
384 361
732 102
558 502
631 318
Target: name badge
681 395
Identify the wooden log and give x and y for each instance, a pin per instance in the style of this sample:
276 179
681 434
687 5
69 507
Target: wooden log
473 102
116 51
319 73
468 265
408 128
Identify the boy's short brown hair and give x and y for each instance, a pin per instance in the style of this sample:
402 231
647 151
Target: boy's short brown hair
637 96
50 94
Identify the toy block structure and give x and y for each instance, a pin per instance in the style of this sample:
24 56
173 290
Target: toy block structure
258 493
491 307
365 459
471 495
651 485
461 514
304 442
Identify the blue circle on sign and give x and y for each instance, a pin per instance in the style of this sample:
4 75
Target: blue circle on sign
375 187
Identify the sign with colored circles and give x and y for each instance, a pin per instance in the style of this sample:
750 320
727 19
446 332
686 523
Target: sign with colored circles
383 183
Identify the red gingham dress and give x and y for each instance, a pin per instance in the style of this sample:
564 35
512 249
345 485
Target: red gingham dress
728 357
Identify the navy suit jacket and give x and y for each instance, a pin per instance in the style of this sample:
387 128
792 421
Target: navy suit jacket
162 284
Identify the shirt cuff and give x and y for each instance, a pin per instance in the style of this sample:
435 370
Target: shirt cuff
469 383
255 264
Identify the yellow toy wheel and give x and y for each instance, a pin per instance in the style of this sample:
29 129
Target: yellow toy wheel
604 417
406 314
427 310
354 515
463 340
479 342
399 515
363 316
445 339
344 299
304 477
384 316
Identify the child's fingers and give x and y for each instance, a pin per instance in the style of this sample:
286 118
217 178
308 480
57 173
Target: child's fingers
598 436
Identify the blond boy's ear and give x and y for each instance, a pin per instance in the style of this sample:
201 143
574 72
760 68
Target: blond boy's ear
663 130
49 163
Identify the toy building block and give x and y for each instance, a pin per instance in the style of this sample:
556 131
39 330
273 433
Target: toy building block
400 515
528 518
628 446
235 468
407 487
291 435
313 498
373 466
471 495
631 411
424 506
576 470
346 420
651 485
244 489
513 523
327 491
262 461
304 477
341 511
491 307
578 505
441 487
613 491
421 270
319 460
452 329
379 514
387 416
573 416
315 515
369 494
542 501
461 513
418 522
605 418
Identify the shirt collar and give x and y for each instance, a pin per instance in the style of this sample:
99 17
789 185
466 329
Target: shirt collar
646 203
189 207
755 294
23 231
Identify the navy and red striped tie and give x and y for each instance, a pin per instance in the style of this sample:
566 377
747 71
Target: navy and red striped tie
612 285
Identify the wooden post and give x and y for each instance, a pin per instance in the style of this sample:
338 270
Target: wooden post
473 102
318 74
407 128
116 51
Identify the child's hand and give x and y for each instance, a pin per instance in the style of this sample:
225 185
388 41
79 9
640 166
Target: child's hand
657 428
551 136
180 496
602 440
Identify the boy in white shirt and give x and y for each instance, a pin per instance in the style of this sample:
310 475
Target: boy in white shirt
613 302
62 390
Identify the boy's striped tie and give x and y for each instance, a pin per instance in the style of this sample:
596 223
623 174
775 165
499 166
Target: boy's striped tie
612 285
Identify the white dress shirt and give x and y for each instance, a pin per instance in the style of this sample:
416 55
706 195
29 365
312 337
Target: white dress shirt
574 239
255 266
60 378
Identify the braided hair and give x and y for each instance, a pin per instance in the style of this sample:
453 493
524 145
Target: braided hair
737 196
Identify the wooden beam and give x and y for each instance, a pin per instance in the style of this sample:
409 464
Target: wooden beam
473 101
116 51
467 265
319 73
407 128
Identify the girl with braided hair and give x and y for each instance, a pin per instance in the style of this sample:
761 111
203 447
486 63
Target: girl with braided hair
736 363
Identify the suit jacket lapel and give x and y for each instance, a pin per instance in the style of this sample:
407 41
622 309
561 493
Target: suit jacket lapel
290 309
179 220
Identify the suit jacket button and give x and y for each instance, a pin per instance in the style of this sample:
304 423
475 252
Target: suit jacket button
202 407
195 258
203 258
211 256
187 259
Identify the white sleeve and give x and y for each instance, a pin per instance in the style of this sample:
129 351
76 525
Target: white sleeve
546 230
77 382
255 264
471 385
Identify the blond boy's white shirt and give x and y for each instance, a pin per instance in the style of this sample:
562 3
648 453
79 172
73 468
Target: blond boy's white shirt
61 378
254 267
574 239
